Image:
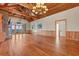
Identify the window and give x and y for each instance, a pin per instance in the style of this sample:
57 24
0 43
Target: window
39 26
13 26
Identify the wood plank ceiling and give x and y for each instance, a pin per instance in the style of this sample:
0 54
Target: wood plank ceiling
24 10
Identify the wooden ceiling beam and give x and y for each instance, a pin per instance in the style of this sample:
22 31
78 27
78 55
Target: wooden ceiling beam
27 5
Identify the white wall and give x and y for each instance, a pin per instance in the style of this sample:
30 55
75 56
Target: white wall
71 15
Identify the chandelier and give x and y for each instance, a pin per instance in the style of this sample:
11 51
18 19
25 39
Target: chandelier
40 8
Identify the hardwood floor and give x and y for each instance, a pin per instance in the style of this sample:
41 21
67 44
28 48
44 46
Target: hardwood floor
35 45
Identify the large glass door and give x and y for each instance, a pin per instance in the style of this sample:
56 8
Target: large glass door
16 28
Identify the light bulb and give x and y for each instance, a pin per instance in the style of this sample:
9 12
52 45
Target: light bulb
46 9
43 6
36 12
44 12
33 10
34 7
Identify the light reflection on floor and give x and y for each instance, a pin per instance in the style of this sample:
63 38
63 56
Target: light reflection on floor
16 43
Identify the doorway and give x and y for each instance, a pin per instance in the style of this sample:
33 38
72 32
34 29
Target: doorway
16 27
60 29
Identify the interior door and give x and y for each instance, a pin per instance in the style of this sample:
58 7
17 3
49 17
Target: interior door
61 29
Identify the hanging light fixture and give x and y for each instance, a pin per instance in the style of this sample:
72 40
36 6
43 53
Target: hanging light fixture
40 8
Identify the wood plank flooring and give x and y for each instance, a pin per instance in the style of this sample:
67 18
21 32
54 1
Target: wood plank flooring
35 45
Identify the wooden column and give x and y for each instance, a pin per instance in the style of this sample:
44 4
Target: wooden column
0 23
2 34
